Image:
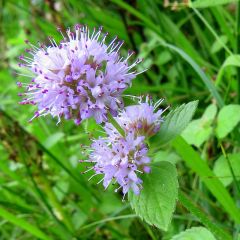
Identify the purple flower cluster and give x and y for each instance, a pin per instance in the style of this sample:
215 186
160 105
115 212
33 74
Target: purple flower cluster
123 158
83 77
79 78
144 118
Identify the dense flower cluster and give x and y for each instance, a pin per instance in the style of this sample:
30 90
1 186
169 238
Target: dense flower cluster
79 78
143 118
121 159
124 158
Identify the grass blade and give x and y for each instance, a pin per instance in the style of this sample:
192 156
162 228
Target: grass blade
205 220
23 224
207 3
199 166
209 84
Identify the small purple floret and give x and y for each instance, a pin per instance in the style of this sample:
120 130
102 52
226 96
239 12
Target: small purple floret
144 118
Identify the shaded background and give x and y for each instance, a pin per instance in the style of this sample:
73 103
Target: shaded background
40 180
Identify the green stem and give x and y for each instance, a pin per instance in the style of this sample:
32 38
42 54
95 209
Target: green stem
115 124
60 213
212 31
202 217
108 219
230 168
238 51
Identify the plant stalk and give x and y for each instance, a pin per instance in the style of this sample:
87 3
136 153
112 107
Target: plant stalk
238 51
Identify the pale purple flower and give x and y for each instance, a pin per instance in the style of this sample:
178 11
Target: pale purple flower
121 161
144 118
79 78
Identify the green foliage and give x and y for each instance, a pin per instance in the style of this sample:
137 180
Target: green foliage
23 224
228 118
199 130
198 165
157 200
218 44
195 233
206 220
168 156
232 60
208 83
175 122
53 139
223 171
206 3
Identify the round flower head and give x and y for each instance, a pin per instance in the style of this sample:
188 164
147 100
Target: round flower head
121 159
144 119
79 78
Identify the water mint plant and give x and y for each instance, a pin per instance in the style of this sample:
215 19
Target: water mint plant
151 170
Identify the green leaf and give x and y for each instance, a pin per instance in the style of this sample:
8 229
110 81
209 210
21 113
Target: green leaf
210 113
106 205
228 118
222 170
218 44
207 3
23 224
167 156
199 130
194 233
175 122
163 58
232 60
198 165
53 139
157 200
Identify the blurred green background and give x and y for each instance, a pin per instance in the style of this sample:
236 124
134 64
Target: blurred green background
42 190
